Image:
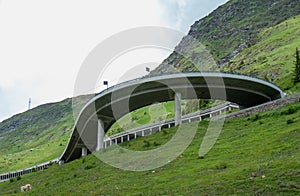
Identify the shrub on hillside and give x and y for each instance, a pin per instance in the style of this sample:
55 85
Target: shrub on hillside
146 143
256 117
289 121
87 167
221 166
289 110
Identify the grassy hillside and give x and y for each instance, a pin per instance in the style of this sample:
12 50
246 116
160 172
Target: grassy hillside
35 136
41 134
273 58
266 143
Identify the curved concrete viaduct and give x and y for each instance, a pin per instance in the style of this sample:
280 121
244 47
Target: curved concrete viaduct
98 115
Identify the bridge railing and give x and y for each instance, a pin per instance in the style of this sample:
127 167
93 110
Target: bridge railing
153 128
15 174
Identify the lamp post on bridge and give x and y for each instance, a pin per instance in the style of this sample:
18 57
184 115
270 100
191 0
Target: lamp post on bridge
148 70
105 82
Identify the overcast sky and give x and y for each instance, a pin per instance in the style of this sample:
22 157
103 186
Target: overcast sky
43 43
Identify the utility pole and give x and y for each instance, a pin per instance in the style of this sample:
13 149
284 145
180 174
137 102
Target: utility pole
29 103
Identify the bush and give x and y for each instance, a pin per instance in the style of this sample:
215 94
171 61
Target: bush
11 180
18 178
87 167
256 117
221 166
146 143
289 121
290 110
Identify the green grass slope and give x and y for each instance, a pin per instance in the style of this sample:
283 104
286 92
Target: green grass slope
267 143
41 134
273 58
35 136
158 112
146 115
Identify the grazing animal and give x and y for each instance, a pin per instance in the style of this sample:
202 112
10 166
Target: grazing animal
26 187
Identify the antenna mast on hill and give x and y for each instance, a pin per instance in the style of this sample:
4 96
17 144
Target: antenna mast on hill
29 103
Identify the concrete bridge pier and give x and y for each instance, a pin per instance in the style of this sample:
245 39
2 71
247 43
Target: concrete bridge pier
61 162
100 135
83 151
177 108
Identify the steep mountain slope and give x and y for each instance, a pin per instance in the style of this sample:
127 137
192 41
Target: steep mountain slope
273 58
229 30
35 136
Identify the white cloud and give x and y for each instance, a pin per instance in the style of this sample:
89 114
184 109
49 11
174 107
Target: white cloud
43 43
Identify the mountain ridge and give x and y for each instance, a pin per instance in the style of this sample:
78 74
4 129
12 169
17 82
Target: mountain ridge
230 29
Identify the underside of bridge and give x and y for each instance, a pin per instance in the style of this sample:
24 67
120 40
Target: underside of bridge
108 106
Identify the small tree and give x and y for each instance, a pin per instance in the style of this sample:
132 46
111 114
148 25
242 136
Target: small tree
297 68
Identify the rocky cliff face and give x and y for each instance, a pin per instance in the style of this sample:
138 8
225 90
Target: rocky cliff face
227 31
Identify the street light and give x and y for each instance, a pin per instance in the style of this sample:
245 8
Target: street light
148 69
105 83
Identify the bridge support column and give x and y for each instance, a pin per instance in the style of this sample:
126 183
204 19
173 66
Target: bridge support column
83 151
177 108
100 135
60 162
